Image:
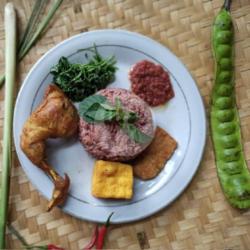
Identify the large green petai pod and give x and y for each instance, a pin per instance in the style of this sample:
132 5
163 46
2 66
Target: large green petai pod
232 169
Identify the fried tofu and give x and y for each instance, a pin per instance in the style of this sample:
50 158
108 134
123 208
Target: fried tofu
112 180
149 164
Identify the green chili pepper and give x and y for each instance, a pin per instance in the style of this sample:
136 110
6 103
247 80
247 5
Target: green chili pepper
232 169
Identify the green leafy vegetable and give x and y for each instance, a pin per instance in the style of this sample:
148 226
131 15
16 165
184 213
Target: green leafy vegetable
79 81
96 108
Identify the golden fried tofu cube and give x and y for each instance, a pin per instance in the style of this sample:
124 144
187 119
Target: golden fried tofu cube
112 180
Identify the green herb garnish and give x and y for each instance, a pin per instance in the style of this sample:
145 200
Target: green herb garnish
79 81
96 109
133 132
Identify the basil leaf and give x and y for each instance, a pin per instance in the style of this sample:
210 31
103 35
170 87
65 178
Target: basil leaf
89 101
107 106
88 118
99 114
118 104
134 133
95 109
131 117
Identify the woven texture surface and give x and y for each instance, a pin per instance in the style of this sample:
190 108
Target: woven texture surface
201 217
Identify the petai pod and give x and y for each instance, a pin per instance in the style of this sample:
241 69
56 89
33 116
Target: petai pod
232 169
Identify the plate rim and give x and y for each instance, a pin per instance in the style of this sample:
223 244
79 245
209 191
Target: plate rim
140 36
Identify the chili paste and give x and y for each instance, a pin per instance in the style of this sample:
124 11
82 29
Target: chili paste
151 83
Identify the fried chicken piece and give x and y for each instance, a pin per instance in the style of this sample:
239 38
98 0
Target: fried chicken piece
55 117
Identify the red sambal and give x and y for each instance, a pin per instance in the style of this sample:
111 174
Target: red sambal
151 82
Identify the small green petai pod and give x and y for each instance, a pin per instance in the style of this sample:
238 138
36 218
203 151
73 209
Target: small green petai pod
232 169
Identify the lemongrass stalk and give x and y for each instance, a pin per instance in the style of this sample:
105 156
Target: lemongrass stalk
40 29
10 70
18 235
37 10
2 79
26 44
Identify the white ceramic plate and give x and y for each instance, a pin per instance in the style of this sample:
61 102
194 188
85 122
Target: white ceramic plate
183 117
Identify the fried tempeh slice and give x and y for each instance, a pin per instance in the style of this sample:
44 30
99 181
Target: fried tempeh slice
149 164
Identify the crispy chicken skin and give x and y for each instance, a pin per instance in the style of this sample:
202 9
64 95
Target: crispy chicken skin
55 117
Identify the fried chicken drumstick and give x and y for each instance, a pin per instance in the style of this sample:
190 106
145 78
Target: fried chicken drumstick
55 117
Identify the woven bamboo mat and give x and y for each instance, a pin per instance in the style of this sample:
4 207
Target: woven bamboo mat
200 218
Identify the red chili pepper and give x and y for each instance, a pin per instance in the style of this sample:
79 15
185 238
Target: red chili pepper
54 247
99 236
102 233
93 240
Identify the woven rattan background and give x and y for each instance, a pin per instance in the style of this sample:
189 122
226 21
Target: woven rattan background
200 218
